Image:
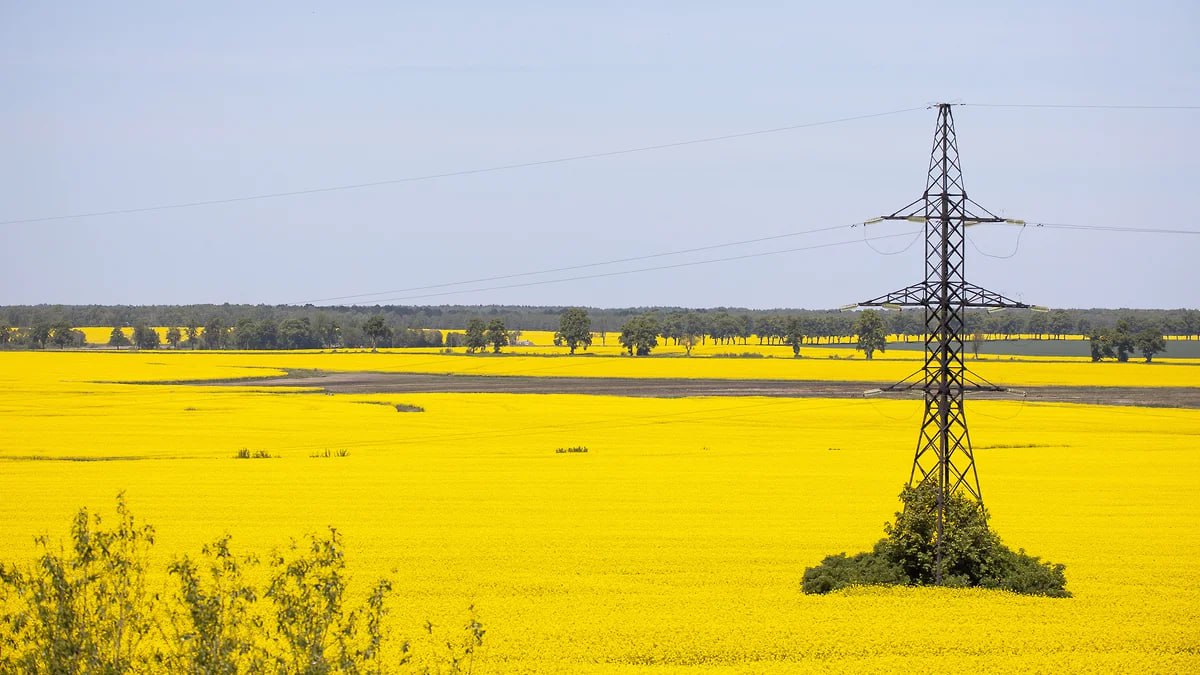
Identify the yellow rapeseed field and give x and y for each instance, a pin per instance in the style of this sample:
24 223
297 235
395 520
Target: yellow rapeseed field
99 335
675 544
185 364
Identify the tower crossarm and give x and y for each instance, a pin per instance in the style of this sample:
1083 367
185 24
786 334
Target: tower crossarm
926 294
916 295
978 296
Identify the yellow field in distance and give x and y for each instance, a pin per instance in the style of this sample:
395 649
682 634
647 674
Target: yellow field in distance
166 365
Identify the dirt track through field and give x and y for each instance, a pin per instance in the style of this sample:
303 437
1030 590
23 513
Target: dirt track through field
377 383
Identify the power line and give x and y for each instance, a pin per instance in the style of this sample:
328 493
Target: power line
655 268
1105 228
462 172
867 240
1080 106
916 237
587 265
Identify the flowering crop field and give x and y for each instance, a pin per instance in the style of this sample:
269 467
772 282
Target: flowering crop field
676 543
99 335
171 365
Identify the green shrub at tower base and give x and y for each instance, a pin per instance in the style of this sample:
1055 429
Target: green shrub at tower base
972 554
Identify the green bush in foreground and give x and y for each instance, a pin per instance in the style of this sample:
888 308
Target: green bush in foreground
972 555
87 609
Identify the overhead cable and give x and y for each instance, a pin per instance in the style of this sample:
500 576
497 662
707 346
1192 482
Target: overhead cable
1081 106
461 172
602 275
585 265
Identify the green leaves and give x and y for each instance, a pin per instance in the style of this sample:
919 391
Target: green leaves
872 336
972 554
574 329
87 610
83 611
640 334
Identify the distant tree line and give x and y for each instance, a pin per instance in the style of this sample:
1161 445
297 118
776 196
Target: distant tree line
309 327
639 335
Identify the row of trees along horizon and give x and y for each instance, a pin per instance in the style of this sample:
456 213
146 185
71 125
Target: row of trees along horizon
1113 333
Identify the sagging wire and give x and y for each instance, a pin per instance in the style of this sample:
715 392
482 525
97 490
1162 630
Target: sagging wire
893 418
1002 418
1016 246
867 241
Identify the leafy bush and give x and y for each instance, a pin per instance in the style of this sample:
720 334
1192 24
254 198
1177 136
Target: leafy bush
83 611
972 554
314 631
87 610
212 625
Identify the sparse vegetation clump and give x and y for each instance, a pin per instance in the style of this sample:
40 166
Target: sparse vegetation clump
574 448
972 554
247 453
87 608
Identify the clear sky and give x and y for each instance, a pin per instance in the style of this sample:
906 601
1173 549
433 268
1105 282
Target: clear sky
126 105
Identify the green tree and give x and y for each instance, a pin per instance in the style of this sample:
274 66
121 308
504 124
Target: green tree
871 335
977 339
246 335
1123 340
39 334
1149 341
497 337
476 338
377 330
575 329
1083 326
793 333
1101 347
1189 322
772 328
1037 324
672 327
174 336
193 334
145 337
297 334
745 327
61 334
1059 323
7 333
326 330
117 338
640 334
693 329
215 335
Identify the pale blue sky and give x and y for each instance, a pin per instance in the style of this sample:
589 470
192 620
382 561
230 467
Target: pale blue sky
125 105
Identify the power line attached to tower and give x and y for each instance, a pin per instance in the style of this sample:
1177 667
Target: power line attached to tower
944 456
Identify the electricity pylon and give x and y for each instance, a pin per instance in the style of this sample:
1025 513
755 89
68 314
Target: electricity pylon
944 454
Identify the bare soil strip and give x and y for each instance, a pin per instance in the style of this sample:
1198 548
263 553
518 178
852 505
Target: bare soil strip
378 383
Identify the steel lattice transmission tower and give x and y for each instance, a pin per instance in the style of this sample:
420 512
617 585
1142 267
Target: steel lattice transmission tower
944 454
